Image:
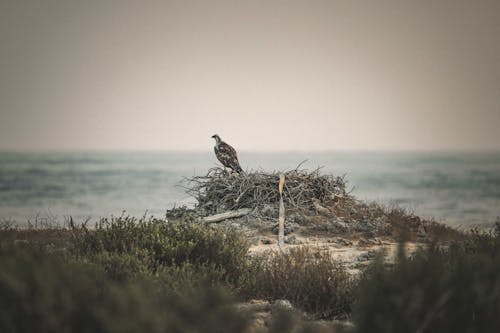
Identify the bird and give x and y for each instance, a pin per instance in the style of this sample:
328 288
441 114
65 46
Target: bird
226 154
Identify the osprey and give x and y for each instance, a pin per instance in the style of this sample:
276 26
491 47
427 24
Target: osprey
226 154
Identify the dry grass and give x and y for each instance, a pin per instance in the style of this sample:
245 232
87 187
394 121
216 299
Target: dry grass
405 226
307 276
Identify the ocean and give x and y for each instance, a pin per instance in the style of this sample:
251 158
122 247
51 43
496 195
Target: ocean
37 188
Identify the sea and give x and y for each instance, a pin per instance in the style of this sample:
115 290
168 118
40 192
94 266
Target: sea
460 189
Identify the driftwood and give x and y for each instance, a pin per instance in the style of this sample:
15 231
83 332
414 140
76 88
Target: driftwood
226 215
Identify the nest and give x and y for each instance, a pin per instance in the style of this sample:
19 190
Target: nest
220 190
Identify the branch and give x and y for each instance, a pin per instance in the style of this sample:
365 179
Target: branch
226 215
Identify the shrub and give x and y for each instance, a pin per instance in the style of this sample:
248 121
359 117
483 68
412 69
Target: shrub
121 267
437 290
187 277
308 277
403 225
44 293
161 244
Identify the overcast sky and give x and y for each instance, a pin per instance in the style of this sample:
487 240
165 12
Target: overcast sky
264 75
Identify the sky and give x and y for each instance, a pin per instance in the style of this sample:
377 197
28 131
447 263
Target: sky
264 75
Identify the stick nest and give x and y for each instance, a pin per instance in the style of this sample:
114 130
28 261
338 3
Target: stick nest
220 190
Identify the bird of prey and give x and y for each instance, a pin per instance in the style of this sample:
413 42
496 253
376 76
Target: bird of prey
226 154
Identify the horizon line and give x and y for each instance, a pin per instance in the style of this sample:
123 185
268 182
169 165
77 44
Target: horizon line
312 151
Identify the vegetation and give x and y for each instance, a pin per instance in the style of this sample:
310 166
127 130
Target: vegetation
309 277
127 245
402 225
149 275
454 289
47 293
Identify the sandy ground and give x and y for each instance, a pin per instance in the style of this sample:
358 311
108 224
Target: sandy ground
354 252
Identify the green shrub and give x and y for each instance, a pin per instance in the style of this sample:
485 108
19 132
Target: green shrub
44 293
309 277
186 277
437 290
121 267
161 244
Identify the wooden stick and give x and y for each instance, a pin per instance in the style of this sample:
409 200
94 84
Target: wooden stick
227 215
281 220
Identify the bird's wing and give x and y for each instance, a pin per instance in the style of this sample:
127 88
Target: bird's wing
227 156
227 149
224 154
